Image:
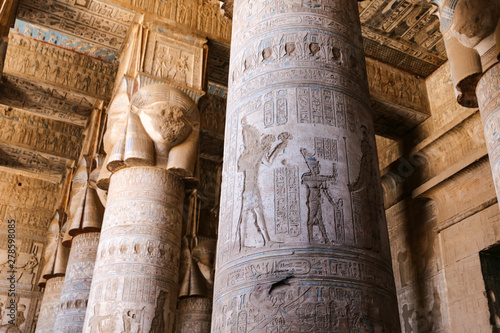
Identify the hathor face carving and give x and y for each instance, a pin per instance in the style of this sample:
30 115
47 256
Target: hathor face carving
165 123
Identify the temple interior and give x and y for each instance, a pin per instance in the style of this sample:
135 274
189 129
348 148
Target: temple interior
273 166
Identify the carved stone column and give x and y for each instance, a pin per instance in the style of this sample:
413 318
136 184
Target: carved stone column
468 27
472 30
135 281
196 274
194 314
303 242
488 95
76 289
82 235
135 277
54 269
50 305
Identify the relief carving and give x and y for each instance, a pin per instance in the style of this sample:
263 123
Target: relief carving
365 197
51 64
257 151
316 185
26 130
39 98
158 126
173 60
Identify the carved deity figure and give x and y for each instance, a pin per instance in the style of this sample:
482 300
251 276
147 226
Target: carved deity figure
315 185
156 126
256 152
364 195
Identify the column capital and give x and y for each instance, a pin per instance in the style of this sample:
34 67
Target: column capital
468 27
157 125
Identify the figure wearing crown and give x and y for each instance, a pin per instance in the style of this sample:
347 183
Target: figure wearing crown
315 185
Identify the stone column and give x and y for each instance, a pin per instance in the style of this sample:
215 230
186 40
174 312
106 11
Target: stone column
50 305
472 31
82 236
136 271
488 95
468 27
76 289
303 244
135 282
194 314
55 262
196 273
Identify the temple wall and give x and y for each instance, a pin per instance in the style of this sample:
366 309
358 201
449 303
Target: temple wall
29 202
441 211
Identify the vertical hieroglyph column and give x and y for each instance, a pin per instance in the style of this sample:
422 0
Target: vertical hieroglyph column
303 242
488 95
135 282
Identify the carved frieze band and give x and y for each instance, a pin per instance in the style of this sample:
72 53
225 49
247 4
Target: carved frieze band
32 58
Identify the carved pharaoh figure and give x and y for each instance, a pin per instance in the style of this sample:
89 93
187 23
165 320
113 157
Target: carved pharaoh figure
315 184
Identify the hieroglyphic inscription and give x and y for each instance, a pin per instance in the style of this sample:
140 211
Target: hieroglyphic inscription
489 104
140 245
204 16
194 315
51 64
275 108
45 100
50 305
213 113
326 148
287 201
290 278
322 106
76 289
26 130
101 24
32 161
396 86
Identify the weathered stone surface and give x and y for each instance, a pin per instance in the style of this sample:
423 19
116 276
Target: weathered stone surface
194 314
488 95
135 278
302 237
50 305
33 59
76 289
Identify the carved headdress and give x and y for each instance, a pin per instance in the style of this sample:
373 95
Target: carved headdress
172 121
85 210
311 161
56 255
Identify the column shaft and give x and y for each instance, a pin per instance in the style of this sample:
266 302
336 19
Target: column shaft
488 95
303 243
194 315
50 305
135 281
75 293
